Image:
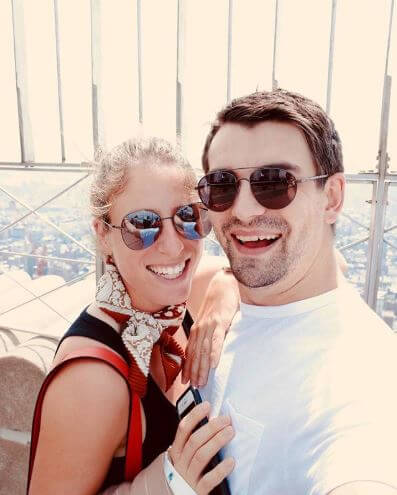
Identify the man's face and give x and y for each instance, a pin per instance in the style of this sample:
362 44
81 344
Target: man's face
270 248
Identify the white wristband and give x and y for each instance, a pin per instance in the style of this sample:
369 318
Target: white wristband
175 481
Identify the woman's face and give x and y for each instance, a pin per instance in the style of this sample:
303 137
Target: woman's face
161 274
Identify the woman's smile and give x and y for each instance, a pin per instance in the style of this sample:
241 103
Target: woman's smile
169 272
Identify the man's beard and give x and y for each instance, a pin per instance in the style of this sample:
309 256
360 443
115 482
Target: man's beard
255 272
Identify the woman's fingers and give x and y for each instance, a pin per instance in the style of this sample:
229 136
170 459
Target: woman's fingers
218 338
201 439
186 427
198 354
208 355
212 479
202 363
189 353
208 450
194 447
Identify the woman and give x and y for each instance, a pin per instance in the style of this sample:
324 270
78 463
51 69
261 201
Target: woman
149 226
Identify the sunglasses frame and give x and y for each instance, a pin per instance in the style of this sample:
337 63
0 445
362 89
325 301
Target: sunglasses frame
294 183
121 227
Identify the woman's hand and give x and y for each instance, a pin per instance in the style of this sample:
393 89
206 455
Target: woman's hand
192 450
220 304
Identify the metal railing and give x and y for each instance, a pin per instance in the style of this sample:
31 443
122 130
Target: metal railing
380 178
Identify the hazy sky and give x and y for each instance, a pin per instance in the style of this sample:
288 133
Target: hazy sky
302 62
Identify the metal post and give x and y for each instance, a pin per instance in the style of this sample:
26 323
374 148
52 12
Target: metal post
229 51
25 127
139 50
97 113
180 71
59 81
379 204
389 37
275 43
331 56
96 58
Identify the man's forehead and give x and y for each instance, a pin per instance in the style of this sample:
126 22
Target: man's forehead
267 143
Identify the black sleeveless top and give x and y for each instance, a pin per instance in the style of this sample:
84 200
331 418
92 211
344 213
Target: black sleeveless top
161 416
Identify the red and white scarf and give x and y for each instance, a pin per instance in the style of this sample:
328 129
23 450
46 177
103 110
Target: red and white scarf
141 331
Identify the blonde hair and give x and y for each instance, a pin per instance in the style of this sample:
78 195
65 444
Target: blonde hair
110 168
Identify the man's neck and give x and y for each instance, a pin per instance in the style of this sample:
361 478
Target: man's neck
323 276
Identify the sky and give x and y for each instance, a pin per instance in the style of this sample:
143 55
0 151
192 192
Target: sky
301 65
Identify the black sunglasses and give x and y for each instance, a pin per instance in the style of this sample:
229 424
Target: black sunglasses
140 229
273 188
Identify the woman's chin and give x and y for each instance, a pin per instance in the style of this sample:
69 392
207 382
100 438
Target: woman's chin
171 299
170 291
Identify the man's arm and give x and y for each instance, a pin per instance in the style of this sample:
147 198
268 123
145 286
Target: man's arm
364 488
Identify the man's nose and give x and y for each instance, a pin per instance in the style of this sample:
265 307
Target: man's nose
245 206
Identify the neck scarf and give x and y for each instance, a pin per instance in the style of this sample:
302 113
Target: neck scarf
141 331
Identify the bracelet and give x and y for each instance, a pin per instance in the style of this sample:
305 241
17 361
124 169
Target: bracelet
227 269
176 483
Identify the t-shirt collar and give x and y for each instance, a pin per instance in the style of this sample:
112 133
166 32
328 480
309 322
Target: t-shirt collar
294 308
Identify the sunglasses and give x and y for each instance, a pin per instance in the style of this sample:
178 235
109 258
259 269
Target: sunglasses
140 229
273 188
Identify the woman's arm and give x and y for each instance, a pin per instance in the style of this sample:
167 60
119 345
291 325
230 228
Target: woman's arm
84 420
213 302
207 268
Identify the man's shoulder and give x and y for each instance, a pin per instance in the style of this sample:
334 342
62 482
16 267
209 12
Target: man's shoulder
356 316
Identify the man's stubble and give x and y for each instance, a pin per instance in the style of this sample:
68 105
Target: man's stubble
266 270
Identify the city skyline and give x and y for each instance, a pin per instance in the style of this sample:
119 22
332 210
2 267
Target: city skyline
70 212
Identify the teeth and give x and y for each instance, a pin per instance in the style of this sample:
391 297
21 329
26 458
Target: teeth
168 271
250 238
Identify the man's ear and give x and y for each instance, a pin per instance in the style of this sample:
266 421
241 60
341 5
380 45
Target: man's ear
335 194
102 231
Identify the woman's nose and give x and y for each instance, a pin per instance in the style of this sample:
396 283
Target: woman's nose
169 242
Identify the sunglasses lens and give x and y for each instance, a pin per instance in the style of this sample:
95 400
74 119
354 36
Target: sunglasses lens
141 229
273 188
192 221
217 190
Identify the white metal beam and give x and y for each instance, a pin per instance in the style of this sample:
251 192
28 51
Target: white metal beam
275 45
139 64
96 72
229 52
25 127
379 203
180 66
59 80
331 56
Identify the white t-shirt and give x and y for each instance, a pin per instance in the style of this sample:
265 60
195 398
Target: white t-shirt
311 388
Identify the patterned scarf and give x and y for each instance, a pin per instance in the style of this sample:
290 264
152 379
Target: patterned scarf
141 331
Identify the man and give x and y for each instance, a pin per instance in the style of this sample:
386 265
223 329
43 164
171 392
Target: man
308 372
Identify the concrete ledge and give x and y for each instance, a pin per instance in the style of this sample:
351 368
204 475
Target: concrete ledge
22 371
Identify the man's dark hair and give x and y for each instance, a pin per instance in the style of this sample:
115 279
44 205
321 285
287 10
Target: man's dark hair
284 106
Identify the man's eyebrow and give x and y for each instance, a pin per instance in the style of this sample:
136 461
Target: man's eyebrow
284 165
